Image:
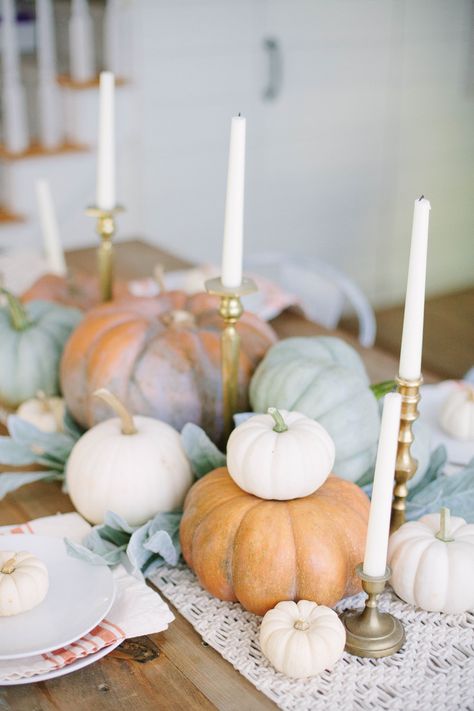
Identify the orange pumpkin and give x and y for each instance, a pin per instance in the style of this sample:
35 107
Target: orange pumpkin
161 357
78 289
260 552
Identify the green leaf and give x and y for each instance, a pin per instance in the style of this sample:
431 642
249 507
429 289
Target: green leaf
381 389
14 454
456 492
10 481
202 453
76 550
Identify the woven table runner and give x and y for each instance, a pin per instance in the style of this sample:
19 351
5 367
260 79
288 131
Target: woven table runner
433 672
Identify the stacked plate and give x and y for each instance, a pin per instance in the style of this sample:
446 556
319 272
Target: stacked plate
79 597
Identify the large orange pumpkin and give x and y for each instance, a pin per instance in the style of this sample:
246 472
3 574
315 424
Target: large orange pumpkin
259 552
161 357
78 289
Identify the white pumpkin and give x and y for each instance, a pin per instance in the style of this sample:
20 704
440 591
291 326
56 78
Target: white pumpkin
24 582
302 638
457 413
282 455
135 467
432 563
45 413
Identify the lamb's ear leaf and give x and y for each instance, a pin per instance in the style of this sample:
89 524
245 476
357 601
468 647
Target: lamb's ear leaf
202 453
9 481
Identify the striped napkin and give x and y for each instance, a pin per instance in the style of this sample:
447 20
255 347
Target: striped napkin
137 609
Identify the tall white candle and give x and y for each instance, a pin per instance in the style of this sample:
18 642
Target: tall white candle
49 229
412 336
106 144
375 559
234 207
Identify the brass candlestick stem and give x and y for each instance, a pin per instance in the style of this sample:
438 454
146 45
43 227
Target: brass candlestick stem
370 633
406 465
231 310
105 256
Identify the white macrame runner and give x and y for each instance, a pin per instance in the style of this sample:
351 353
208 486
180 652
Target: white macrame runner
433 672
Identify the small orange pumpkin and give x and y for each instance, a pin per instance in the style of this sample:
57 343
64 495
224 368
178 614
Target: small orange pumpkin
260 552
161 357
78 289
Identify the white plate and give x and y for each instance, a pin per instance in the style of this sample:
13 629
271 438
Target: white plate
74 666
79 597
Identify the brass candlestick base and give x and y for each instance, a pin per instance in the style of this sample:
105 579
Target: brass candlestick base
106 230
370 633
406 465
231 310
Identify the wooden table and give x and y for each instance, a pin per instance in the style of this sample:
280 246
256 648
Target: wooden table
173 669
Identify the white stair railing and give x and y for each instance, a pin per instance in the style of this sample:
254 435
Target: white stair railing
49 99
81 44
15 126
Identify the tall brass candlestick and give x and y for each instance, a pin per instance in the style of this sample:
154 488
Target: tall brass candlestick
406 464
105 256
231 310
370 633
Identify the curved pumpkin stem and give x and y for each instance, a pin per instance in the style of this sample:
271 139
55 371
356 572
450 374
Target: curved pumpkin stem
18 315
445 520
9 566
280 424
128 425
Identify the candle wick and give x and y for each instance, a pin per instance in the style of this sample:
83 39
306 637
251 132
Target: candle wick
421 198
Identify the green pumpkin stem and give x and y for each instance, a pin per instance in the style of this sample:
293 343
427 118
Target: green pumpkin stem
128 425
445 519
381 389
18 315
280 424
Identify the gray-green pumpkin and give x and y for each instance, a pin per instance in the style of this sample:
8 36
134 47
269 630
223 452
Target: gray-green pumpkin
32 339
323 378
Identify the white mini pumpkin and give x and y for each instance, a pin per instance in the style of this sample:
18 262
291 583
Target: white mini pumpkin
45 413
282 455
135 467
432 563
457 413
302 638
24 582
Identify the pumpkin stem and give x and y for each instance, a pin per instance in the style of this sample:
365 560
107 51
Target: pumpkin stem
9 566
445 519
301 625
128 425
280 424
159 277
18 315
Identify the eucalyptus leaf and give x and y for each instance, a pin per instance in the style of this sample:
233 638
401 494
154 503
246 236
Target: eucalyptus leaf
71 427
10 481
455 492
201 451
155 542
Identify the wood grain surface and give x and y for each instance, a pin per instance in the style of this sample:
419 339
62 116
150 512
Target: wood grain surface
173 669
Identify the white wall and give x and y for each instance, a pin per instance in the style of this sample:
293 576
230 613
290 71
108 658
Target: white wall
376 107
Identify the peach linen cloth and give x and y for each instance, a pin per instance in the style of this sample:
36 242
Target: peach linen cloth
137 609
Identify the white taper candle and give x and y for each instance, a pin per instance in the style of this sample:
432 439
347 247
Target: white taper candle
106 144
412 336
49 229
375 559
234 207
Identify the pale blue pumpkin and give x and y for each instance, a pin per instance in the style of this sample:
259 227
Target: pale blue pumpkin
323 378
32 339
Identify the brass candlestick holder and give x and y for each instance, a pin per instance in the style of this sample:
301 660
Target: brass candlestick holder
406 465
370 633
231 310
105 256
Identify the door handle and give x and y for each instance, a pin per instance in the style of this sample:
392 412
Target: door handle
272 48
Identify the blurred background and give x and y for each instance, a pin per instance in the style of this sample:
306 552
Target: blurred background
354 108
